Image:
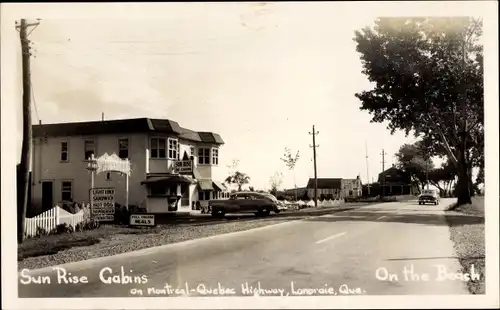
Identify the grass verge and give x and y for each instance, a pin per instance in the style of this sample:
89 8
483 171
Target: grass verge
469 241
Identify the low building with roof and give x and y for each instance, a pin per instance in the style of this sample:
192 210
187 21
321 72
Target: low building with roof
330 188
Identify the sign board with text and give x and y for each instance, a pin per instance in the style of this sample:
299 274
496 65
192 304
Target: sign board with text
183 166
142 219
102 201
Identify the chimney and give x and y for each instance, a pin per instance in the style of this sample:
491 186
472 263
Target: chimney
39 122
102 116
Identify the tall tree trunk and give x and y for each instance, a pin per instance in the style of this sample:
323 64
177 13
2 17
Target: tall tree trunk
464 184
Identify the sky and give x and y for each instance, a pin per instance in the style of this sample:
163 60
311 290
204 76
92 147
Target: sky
259 74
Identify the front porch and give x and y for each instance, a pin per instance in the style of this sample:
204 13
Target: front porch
169 193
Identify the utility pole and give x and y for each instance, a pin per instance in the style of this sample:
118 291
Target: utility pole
314 146
383 172
27 134
426 173
367 170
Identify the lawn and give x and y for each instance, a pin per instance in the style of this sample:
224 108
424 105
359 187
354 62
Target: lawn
52 244
469 241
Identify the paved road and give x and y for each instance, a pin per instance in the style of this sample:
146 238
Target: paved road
334 254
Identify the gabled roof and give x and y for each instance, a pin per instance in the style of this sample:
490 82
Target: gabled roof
136 125
326 183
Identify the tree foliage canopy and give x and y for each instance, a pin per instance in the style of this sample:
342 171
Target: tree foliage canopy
238 178
428 79
290 160
425 71
414 159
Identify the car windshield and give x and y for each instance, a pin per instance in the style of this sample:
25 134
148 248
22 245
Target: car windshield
428 192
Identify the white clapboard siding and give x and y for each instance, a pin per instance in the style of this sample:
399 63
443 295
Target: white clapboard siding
49 219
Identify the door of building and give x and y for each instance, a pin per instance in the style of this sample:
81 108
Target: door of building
47 195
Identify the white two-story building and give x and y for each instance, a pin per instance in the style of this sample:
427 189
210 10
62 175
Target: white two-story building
158 150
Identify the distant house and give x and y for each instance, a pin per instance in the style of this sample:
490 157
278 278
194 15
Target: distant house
329 188
394 181
289 194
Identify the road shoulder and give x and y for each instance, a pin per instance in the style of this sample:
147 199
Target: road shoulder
468 236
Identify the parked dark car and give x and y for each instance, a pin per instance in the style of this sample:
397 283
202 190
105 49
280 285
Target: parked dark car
261 204
428 196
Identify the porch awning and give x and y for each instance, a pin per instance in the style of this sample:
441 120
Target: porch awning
174 178
219 186
205 185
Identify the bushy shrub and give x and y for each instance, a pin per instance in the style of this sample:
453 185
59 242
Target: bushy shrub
121 215
91 224
79 227
136 209
40 231
72 207
62 228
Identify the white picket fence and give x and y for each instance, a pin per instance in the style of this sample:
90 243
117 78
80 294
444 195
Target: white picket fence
49 219
310 203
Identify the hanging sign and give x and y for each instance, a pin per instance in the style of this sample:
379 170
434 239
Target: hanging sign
183 166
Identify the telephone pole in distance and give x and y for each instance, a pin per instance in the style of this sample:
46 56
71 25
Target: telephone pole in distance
383 170
314 146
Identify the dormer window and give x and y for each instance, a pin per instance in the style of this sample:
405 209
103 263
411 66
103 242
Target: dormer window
215 156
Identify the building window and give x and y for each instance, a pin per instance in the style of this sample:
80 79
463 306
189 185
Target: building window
204 195
192 151
158 190
89 148
66 191
158 148
123 148
215 156
173 148
204 156
64 151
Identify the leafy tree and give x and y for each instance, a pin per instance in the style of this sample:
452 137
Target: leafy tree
413 159
443 177
428 78
290 161
276 180
238 178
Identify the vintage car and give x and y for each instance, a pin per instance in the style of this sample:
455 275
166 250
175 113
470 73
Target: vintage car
428 196
261 204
